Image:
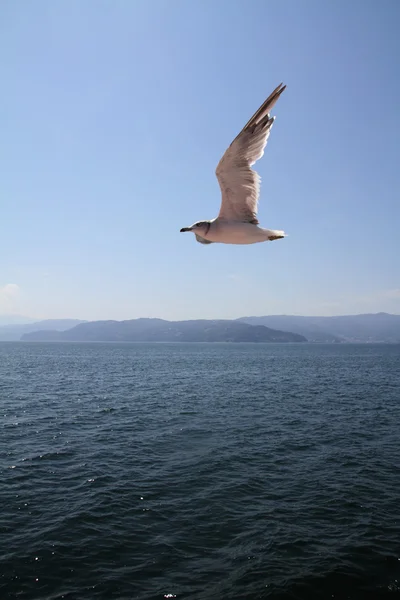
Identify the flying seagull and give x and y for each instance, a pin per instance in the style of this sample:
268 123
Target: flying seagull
237 221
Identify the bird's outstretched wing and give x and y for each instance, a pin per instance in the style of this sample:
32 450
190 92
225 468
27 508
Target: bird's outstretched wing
240 185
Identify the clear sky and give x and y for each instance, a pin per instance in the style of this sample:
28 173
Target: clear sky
114 115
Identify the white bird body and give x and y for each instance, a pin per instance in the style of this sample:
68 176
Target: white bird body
237 221
235 232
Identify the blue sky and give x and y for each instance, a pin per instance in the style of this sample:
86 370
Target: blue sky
114 116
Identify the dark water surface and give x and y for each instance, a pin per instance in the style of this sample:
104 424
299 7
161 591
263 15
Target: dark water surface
199 471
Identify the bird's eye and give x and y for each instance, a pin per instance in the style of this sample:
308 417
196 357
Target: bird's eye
198 224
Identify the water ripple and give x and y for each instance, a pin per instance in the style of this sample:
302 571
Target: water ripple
217 471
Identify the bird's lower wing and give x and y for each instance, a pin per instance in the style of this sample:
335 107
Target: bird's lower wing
239 183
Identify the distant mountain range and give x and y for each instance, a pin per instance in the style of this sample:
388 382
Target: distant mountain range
13 333
380 327
158 330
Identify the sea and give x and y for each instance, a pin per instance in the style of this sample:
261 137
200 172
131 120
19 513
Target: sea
199 471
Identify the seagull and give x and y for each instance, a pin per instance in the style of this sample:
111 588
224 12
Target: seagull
237 221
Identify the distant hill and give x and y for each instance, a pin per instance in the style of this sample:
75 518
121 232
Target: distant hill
158 330
379 327
13 333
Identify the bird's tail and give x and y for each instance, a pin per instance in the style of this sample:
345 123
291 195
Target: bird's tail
274 234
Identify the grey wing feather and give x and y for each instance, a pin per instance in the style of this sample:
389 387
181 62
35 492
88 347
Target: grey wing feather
240 185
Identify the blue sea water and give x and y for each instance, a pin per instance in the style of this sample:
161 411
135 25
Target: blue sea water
199 471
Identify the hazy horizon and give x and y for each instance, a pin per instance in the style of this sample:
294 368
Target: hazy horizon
115 117
19 319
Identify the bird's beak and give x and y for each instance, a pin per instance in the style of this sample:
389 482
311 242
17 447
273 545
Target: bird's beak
185 229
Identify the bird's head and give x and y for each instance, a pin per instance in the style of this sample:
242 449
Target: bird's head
201 228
